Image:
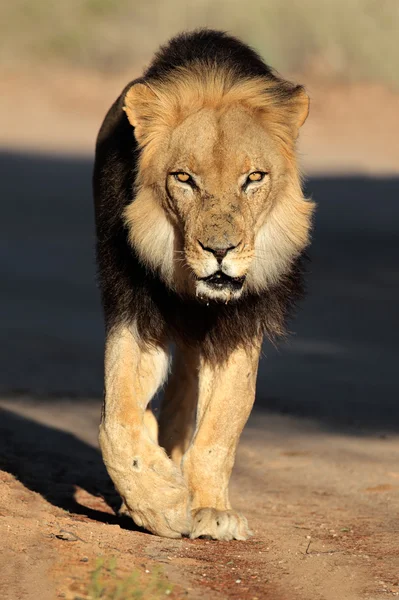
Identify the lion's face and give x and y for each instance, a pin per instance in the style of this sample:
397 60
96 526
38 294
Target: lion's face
219 178
219 209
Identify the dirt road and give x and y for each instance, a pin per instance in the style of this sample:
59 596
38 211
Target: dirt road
323 506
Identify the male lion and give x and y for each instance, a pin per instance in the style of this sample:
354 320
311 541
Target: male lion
201 225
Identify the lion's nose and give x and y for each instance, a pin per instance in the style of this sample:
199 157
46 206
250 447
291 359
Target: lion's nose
219 251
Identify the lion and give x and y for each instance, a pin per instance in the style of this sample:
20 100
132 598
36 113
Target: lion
201 230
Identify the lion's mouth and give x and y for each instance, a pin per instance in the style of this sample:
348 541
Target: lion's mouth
220 280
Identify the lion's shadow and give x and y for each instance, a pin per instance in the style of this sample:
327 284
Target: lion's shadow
54 463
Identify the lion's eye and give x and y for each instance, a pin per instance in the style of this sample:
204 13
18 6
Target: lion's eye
255 176
183 177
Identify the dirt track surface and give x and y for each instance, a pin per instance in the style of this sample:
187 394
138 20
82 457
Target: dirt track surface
323 507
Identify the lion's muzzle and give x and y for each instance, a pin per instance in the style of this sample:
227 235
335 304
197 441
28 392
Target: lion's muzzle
218 249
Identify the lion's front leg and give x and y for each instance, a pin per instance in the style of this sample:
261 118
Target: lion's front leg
151 486
226 396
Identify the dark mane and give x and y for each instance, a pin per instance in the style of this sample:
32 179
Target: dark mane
208 46
132 293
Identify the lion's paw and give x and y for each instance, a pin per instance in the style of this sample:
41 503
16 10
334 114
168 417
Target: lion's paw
170 522
158 499
152 488
219 525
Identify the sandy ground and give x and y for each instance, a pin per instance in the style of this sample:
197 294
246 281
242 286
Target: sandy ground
318 467
323 507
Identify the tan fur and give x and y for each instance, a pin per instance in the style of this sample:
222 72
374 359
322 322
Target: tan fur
151 424
153 109
225 399
219 128
151 233
281 238
151 487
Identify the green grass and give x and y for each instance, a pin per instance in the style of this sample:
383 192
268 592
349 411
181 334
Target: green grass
107 584
351 39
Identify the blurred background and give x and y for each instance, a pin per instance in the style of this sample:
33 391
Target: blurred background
63 64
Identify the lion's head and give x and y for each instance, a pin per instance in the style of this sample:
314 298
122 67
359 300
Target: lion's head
219 208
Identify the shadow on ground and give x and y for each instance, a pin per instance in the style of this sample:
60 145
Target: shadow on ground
54 463
341 365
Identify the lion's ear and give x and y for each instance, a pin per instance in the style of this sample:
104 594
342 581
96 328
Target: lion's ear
285 104
298 107
138 104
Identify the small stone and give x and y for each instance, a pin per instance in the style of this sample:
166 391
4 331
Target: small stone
84 559
66 536
238 580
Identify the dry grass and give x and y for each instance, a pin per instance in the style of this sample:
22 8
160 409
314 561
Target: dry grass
108 584
346 39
